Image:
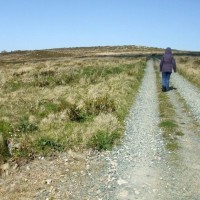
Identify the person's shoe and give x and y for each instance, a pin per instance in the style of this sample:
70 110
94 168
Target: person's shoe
164 89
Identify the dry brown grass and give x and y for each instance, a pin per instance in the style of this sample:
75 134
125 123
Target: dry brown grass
63 103
189 67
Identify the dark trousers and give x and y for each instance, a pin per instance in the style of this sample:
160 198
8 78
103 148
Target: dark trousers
165 80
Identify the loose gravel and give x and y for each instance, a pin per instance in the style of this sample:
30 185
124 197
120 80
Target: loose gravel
189 92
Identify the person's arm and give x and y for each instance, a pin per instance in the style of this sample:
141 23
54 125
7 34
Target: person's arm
161 64
174 64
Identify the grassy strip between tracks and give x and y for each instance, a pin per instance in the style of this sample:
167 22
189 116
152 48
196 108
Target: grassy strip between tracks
167 116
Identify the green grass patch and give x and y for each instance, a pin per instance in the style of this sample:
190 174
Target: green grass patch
103 140
26 127
179 133
172 146
45 144
168 124
5 128
13 85
46 107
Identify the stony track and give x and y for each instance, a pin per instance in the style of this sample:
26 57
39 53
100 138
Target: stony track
139 168
190 93
138 159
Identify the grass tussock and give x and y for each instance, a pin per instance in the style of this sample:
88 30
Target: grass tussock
189 67
61 104
103 140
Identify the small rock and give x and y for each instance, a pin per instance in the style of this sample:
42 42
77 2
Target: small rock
121 182
4 168
48 181
15 166
123 194
87 167
137 192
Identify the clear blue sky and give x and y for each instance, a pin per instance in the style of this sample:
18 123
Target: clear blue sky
43 24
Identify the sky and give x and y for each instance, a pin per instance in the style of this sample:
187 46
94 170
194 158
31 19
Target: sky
45 24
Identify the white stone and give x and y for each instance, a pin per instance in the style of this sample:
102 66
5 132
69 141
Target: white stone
48 181
121 182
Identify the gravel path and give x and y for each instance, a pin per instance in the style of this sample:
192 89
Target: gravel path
137 160
186 160
190 93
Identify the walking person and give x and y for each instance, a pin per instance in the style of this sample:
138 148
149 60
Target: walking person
166 64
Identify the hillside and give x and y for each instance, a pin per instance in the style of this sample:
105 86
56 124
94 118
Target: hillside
93 123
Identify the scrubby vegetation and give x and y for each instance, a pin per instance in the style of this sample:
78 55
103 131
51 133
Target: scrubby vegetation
189 67
65 103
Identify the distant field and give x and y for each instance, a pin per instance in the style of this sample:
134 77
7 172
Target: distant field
55 100
189 67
